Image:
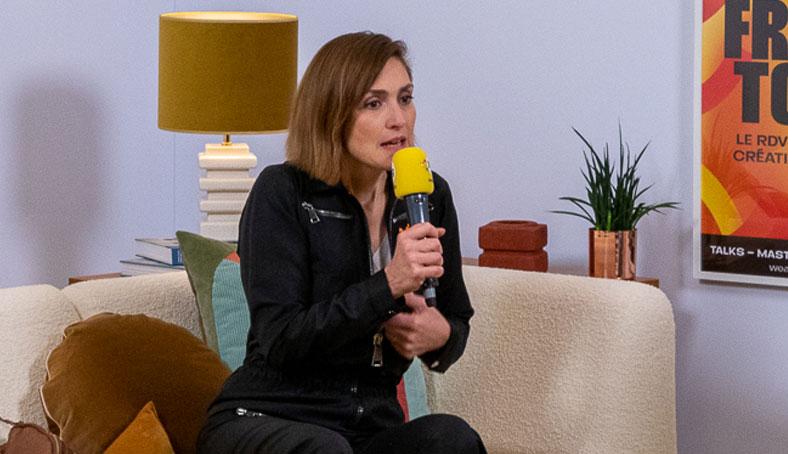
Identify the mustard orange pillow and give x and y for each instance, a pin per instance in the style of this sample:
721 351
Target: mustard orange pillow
109 366
144 434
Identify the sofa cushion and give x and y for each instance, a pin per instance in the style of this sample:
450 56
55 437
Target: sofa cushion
32 319
144 434
166 296
110 365
215 274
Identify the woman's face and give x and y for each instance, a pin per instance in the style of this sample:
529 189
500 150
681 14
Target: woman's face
383 122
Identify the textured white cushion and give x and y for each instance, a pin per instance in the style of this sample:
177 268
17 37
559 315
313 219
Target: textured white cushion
166 296
560 363
32 323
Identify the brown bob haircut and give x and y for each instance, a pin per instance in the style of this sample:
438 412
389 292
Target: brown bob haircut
331 90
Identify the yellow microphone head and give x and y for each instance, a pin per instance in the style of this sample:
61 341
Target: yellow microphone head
411 172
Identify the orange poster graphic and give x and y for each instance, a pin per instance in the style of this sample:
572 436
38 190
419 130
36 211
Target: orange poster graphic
744 141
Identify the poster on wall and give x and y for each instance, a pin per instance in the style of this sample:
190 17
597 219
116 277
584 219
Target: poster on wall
741 141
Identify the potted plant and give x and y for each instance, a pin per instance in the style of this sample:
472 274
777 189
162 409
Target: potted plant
613 206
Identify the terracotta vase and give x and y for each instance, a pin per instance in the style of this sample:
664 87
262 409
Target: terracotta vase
612 254
513 244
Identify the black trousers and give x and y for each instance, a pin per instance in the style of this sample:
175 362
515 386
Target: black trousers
226 432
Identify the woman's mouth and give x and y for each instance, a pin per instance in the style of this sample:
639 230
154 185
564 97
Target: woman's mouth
395 144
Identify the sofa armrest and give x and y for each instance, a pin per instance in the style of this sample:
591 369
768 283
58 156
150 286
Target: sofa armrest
32 320
559 363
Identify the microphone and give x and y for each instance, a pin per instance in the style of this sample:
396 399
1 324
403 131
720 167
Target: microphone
413 182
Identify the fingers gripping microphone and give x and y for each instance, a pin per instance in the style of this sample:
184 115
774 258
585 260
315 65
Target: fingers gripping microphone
413 182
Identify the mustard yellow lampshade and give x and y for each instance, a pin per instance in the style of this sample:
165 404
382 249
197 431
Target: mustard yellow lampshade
226 72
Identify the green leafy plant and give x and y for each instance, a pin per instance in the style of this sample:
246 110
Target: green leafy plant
612 196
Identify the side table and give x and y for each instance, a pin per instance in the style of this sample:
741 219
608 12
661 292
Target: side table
91 277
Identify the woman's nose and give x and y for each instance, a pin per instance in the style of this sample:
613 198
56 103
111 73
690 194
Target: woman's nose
396 117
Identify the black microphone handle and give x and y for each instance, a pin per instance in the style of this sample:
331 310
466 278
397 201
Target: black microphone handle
419 212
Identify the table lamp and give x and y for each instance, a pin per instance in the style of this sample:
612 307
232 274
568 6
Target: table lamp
226 73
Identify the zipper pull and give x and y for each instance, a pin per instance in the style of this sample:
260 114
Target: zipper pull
313 217
377 349
240 411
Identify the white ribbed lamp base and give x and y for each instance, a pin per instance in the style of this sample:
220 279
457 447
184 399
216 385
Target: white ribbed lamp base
226 183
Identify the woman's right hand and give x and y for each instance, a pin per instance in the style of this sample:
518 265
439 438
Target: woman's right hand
418 256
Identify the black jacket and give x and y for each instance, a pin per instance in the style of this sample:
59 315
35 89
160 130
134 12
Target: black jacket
315 305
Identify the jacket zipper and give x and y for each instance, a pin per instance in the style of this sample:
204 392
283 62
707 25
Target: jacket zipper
377 349
248 413
377 339
313 213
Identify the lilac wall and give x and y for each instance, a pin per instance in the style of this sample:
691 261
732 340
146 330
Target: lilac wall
77 103
85 169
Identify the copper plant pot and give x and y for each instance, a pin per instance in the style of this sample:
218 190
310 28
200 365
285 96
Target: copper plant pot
612 254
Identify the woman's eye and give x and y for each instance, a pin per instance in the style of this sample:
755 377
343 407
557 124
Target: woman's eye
405 99
372 104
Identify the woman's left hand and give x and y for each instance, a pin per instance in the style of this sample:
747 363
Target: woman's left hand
422 330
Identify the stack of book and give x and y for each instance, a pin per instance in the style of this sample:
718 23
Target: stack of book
153 255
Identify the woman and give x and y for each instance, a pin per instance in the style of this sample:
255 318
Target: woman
330 269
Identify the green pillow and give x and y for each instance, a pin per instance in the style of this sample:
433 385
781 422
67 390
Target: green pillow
214 272
215 275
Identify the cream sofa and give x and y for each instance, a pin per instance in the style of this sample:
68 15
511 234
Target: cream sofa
554 363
